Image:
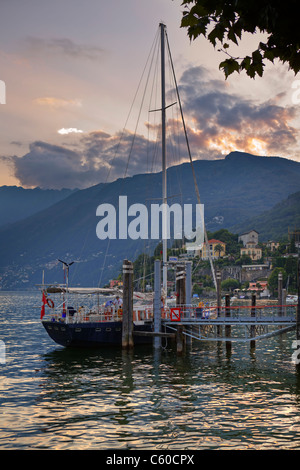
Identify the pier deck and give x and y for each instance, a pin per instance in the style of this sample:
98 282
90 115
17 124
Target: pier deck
232 324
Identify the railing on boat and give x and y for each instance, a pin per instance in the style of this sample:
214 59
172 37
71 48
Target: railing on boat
98 314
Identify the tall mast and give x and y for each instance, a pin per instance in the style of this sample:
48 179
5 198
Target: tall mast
164 168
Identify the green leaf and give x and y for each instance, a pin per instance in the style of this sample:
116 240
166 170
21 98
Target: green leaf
295 62
245 64
229 66
269 55
231 36
188 20
256 56
199 10
237 28
251 72
217 33
257 63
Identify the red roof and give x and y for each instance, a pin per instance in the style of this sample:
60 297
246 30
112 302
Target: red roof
213 240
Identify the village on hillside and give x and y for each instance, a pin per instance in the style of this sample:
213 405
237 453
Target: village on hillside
247 265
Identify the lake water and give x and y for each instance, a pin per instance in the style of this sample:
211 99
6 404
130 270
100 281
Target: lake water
55 398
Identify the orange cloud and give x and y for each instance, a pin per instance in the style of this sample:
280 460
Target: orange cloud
53 102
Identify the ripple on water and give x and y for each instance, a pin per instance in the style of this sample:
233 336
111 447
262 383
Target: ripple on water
52 398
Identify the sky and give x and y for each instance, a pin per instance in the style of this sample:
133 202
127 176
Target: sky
71 70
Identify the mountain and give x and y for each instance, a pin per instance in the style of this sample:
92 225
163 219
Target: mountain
274 223
233 190
17 203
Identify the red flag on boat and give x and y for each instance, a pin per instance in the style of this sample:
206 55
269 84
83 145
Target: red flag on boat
43 305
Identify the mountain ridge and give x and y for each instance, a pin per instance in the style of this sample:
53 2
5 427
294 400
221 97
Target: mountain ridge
232 190
274 223
17 203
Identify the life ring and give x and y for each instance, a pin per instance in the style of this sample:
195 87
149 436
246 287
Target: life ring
50 303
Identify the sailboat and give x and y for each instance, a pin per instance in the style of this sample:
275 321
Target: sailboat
92 317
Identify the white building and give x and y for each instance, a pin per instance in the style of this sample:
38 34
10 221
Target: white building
249 237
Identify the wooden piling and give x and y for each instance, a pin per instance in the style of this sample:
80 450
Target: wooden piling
227 327
252 328
188 283
180 300
180 285
280 294
188 298
157 303
284 294
179 339
127 320
219 299
298 305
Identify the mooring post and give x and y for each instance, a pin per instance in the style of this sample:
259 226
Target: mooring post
280 294
188 283
298 304
227 327
180 285
252 328
157 303
179 339
284 294
127 320
188 296
180 300
219 299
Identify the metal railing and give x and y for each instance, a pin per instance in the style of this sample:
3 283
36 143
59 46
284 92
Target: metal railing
93 315
234 314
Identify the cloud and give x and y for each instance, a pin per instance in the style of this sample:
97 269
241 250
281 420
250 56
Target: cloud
218 121
221 121
70 130
48 166
63 46
99 157
16 142
56 103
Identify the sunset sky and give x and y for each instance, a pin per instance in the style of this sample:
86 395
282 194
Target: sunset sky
71 70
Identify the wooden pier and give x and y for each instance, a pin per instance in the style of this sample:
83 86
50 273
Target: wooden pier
223 322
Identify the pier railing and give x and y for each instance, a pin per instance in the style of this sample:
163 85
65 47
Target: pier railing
181 313
232 314
237 323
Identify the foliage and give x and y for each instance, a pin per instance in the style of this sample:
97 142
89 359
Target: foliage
231 240
225 21
230 284
273 279
158 250
244 259
218 248
290 267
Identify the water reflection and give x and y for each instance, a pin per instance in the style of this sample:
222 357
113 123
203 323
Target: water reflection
207 398
143 398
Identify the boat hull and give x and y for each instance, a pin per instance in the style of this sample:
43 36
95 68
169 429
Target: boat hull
92 335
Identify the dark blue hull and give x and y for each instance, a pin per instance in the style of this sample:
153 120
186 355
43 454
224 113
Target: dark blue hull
92 335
